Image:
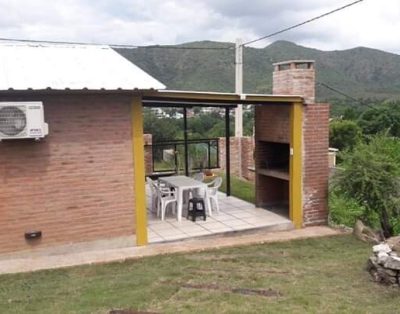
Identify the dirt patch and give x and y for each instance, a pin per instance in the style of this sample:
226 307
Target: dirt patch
220 271
244 291
130 312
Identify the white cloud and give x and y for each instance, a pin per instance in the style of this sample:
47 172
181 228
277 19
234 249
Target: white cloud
371 23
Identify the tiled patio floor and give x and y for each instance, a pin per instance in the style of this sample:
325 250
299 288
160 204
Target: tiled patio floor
235 215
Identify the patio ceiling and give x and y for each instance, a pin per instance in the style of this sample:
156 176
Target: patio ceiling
173 98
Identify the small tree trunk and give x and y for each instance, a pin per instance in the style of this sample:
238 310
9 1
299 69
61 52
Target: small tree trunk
385 224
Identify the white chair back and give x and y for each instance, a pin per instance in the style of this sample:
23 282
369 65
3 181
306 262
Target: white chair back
153 194
199 176
214 186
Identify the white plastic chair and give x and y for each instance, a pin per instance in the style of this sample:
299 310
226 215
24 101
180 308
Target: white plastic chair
153 194
198 192
213 187
165 198
199 176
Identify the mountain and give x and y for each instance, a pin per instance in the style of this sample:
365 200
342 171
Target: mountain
359 72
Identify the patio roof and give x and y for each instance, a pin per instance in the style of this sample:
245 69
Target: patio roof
173 98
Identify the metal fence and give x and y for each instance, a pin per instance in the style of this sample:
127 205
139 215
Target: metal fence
169 157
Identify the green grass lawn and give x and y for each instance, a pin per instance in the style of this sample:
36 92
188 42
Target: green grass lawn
240 188
323 275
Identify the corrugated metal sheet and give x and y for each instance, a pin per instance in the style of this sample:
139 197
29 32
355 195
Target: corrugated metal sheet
55 66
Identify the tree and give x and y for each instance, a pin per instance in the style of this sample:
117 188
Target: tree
384 117
370 175
344 134
162 129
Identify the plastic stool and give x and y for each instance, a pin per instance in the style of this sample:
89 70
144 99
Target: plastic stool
196 208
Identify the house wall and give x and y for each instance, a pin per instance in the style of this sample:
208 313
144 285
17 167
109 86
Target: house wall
77 183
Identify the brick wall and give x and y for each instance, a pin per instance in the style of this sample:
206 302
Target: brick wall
241 148
248 158
148 153
76 184
275 122
315 164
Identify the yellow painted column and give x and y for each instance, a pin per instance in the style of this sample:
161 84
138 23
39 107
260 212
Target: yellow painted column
139 171
296 171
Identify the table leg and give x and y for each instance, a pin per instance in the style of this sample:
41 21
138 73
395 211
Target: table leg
208 204
180 204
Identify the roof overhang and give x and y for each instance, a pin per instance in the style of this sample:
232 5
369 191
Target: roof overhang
173 98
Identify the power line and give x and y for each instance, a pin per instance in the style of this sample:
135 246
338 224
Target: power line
302 23
182 47
175 47
346 95
113 45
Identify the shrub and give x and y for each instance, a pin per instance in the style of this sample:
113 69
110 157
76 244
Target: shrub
344 210
344 134
370 176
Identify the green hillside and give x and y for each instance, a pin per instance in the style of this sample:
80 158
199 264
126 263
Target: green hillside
359 72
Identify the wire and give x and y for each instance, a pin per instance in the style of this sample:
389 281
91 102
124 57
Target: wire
302 23
174 47
114 45
183 47
346 95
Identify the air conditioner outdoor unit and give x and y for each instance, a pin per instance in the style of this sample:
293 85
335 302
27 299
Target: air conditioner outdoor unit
20 120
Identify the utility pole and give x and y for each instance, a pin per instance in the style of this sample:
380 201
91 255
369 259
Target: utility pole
239 87
239 90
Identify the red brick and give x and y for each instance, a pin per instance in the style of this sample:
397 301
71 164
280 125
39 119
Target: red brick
77 183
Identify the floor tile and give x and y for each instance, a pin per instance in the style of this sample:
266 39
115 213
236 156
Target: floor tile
243 227
234 215
165 226
243 215
236 222
220 229
175 237
168 233
199 233
193 228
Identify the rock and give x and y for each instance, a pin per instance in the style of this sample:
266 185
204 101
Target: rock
396 247
372 263
365 233
384 247
394 243
382 257
391 272
384 277
392 262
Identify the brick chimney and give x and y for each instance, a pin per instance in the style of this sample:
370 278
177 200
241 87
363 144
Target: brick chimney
295 77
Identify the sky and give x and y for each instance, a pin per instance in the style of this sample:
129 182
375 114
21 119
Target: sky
371 23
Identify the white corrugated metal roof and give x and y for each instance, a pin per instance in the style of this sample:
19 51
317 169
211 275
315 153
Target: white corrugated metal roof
58 66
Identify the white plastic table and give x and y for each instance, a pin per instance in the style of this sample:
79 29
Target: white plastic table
182 183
